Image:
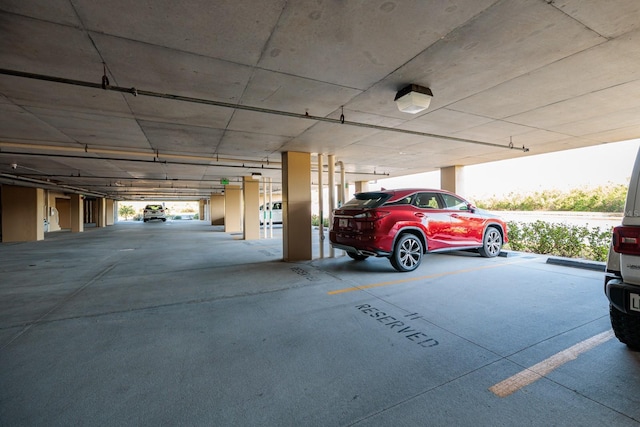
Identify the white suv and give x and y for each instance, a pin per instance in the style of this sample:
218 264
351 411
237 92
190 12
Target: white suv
274 215
154 212
622 277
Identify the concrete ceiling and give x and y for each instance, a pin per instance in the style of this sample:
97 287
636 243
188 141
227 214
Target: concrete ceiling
224 87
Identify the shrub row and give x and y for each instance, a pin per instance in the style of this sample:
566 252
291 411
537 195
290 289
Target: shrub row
315 221
560 240
609 198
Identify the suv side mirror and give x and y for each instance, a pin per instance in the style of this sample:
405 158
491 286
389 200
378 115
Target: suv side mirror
471 208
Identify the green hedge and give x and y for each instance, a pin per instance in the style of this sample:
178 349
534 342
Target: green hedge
560 240
609 198
315 221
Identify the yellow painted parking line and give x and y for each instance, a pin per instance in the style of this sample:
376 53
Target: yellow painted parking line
534 373
413 279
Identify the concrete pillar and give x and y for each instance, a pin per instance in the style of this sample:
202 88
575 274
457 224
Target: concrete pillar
251 208
110 211
269 199
77 214
321 203
206 210
101 212
362 186
332 197
452 179
23 214
296 206
217 209
232 208
201 206
342 186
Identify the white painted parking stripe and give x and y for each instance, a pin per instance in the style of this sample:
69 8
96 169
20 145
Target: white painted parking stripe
534 373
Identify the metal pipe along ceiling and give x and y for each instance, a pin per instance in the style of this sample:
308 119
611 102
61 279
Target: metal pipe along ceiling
305 116
154 155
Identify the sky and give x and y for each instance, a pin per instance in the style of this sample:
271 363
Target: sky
565 170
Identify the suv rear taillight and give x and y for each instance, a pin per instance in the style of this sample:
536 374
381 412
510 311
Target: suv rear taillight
626 240
371 215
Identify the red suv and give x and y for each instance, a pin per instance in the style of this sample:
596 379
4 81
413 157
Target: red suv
402 225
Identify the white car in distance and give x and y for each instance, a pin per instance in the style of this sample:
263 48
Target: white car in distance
274 214
154 212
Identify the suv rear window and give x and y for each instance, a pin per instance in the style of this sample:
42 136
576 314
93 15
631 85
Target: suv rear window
367 200
153 207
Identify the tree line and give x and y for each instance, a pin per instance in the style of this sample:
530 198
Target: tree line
607 198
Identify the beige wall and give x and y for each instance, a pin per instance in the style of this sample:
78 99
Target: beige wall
296 206
64 212
23 214
53 215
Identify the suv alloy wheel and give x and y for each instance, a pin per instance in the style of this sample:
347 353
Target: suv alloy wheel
407 253
491 244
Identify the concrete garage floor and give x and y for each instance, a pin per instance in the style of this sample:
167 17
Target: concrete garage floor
179 323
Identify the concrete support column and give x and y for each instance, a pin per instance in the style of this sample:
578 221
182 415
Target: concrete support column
201 206
362 186
263 204
207 210
23 214
101 212
110 211
251 208
332 197
217 209
270 201
76 213
296 206
342 188
452 179
232 208
321 202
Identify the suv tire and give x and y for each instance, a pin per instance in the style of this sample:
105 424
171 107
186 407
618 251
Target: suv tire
407 253
626 327
491 243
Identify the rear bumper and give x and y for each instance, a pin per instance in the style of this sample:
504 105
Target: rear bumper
352 249
618 293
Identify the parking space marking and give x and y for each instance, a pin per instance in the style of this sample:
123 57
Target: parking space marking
431 276
535 372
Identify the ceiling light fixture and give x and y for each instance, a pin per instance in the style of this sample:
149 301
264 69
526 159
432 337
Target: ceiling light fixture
413 99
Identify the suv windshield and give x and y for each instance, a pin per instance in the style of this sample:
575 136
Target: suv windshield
367 200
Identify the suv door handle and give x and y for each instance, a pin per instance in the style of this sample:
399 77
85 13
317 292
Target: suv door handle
420 215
